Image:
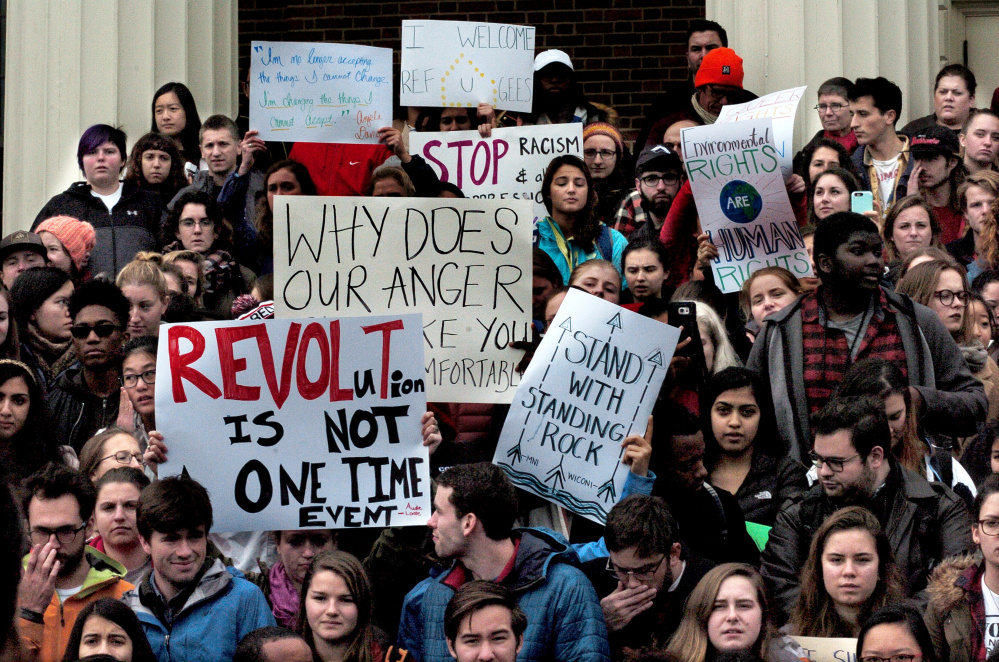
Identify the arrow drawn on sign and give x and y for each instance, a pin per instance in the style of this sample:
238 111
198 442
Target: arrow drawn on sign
614 323
607 491
556 476
515 451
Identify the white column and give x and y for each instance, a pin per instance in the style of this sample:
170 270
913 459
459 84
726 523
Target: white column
74 63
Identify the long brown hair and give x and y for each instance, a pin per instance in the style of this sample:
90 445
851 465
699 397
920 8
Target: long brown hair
585 226
920 282
349 569
690 643
888 231
815 614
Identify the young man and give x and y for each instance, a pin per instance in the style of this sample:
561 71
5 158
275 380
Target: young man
882 159
936 174
61 574
808 346
474 509
19 251
647 576
657 179
483 623
273 644
85 397
925 522
191 605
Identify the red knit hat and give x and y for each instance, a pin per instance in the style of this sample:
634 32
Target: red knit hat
604 129
78 237
720 67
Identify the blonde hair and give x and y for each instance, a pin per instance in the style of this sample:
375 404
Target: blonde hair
725 356
582 268
989 181
144 270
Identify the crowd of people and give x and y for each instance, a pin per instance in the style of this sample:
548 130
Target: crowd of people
821 460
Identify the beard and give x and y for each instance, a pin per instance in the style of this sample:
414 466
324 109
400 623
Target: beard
859 493
658 207
70 564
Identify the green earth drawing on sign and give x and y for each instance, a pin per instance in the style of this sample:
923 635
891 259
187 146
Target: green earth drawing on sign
740 202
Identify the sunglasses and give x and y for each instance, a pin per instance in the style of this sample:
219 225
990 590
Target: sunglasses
103 330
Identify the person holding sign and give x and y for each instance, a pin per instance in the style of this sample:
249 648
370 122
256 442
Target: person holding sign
849 574
572 235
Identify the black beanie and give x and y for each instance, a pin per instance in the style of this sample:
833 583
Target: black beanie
31 288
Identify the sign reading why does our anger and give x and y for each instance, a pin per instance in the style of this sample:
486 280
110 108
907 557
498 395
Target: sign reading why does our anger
460 63
319 93
509 165
735 177
465 264
593 381
293 424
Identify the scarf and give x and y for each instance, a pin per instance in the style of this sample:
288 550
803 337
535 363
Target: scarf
284 597
975 356
52 357
703 114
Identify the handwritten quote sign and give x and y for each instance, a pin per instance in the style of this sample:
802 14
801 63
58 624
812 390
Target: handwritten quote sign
294 424
509 165
461 63
592 382
465 264
735 176
828 649
779 106
320 93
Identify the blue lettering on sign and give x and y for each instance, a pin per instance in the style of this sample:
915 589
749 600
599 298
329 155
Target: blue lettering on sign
740 202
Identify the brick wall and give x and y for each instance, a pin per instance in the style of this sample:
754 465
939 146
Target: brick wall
622 55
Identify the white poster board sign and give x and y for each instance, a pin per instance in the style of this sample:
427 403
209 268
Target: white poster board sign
592 382
781 108
734 173
465 63
828 649
294 424
465 264
319 93
509 165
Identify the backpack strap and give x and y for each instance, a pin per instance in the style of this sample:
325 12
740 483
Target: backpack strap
604 243
721 511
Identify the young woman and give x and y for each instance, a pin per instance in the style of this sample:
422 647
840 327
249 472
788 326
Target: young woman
848 575
192 269
69 243
831 193
117 534
909 226
599 278
335 610
156 164
980 141
10 348
963 589
645 271
108 627
883 380
138 379
765 292
572 234
282 582
898 632
40 300
718 350
743 454
25 442
728 611
125 217
143 284
283 178
176 115
607 159
109 449
821 155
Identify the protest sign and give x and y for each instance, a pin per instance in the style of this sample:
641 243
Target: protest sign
828 649
509 165
319 93
464 63
779 106
465 264
592 382
294 424
735 177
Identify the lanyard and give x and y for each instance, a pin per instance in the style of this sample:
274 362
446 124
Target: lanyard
563 247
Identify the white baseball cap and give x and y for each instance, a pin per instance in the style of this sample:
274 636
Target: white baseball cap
553 56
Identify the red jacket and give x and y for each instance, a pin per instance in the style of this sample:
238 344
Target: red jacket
340 169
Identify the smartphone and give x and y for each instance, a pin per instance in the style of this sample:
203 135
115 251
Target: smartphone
683 315
861 201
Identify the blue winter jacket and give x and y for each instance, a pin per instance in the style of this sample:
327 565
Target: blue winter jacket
564 619
221 611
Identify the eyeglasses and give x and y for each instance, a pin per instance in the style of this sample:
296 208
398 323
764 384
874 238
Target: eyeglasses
989 527
716 92
64 534
834 463
653 179
901 657
835 107
102 329
131 381
947 297
645 574
188 223
590 154
123 457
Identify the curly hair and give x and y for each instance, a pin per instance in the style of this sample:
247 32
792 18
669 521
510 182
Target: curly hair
175 180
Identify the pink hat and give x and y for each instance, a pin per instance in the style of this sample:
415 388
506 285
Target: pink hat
78 237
